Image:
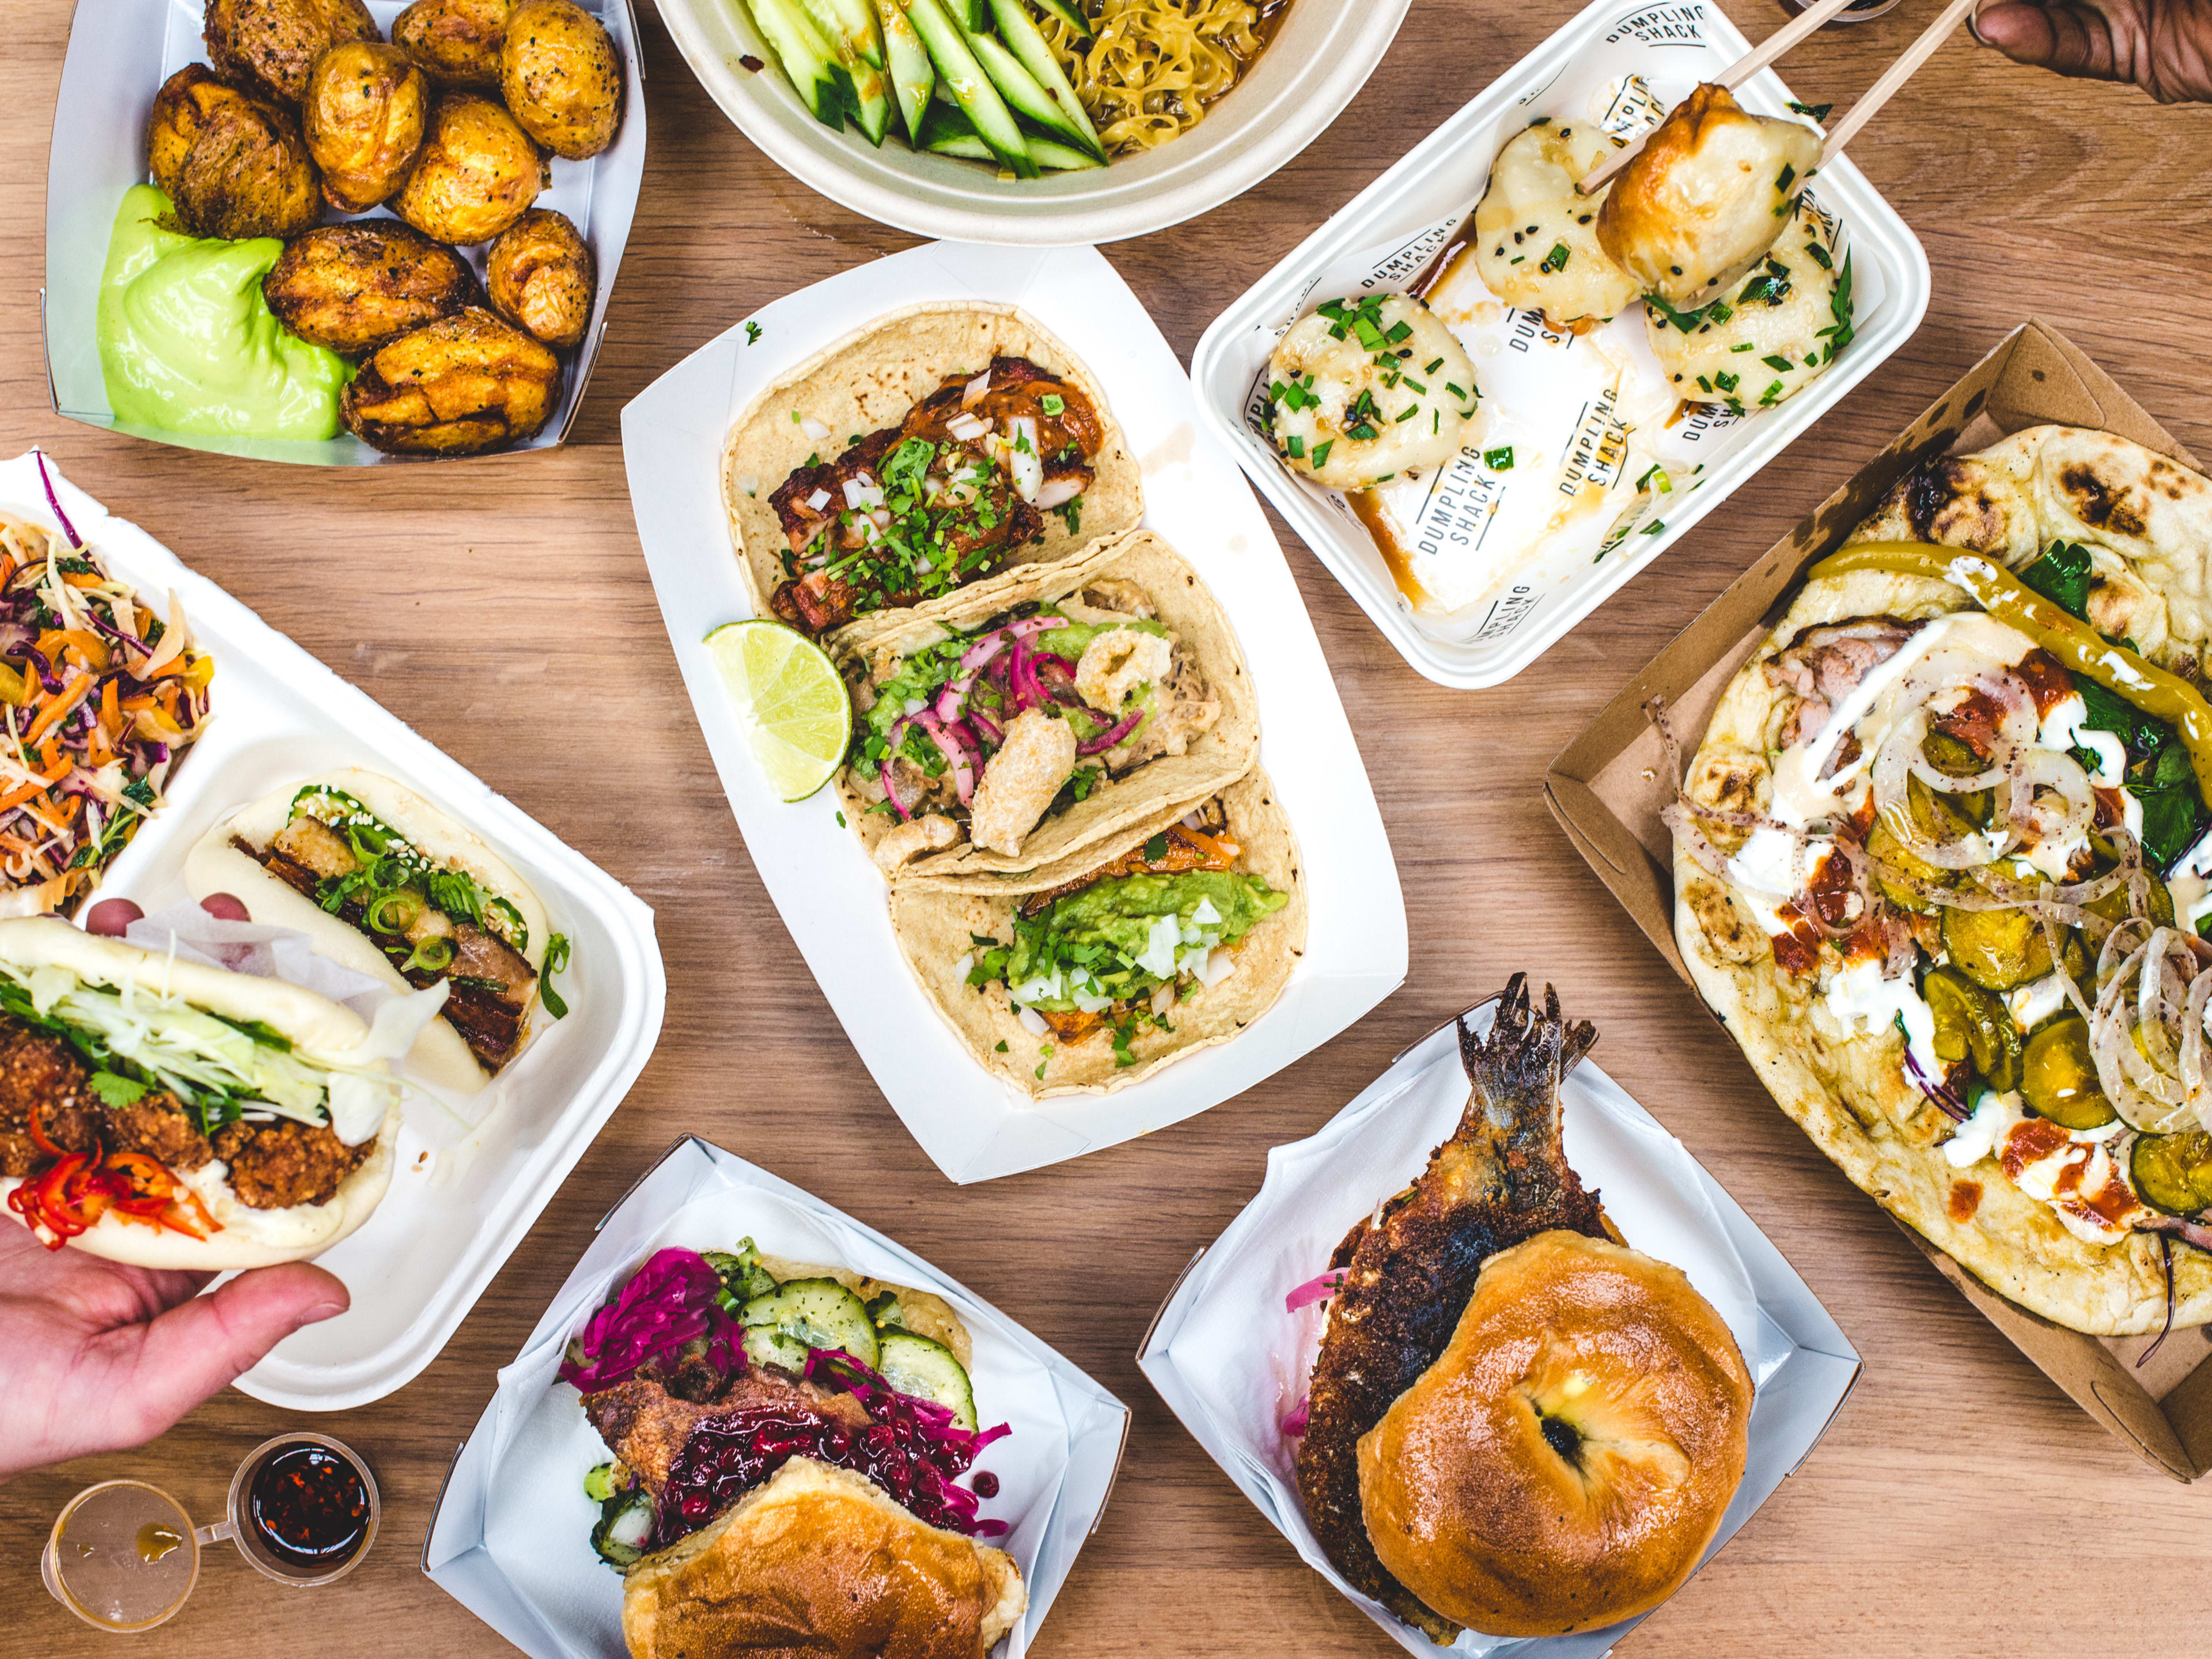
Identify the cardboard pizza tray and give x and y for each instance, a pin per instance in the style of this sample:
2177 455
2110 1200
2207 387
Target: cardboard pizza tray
1607 787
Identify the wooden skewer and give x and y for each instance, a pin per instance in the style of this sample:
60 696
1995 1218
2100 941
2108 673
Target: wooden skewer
1782 40
1893 77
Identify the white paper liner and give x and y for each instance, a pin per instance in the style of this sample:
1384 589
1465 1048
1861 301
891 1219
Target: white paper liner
511 1538
1233 1363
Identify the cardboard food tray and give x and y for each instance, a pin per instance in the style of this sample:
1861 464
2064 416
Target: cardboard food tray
1607 787
120 52
828 893
1232 1362
509 1538
1561 402
465 1189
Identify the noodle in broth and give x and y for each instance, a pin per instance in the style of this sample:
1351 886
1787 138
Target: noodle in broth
1154 66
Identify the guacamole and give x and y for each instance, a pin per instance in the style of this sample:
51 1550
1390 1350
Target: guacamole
1125 936
187 345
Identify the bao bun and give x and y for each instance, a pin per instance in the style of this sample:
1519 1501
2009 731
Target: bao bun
1566 1461
319 1030
441 1056
821 1561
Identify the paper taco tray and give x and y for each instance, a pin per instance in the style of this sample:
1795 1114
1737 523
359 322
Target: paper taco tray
1555 400
1232 1363
1606 788
510 1539
461 1197
120 52
831 897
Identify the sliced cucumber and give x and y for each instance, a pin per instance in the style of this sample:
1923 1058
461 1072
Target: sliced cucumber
855 23
1020 33
624 1528
808 59
867 93
970 87
914 1364
743 1276
604 1481
1068 14
1061 158
974 15
883 1309
809 1313
1020 88
907 59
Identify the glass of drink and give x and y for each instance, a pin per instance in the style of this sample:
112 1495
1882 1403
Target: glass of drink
124 1555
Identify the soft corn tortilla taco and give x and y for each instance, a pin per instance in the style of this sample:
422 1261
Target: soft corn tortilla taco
1929 1048
1223 875
844 398
1124 646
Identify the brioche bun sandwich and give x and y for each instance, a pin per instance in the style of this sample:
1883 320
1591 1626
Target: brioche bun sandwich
384 884
787 1439
171 1114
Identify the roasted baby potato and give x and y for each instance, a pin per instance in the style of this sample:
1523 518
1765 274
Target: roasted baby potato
354 288
454 42
561 77
542 278
233 163
459 386
271 45
366 109
476 173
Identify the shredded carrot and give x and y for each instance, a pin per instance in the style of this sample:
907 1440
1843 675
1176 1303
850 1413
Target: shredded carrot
110 717
82 579
21 793
57 710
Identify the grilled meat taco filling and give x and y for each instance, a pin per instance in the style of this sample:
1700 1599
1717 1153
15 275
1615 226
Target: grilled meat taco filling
1983 828
1121 946
433 922
953 493
1003 725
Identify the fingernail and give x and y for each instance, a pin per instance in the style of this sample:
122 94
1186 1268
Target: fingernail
1974 25
320 1312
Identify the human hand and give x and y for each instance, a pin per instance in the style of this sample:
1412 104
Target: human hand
2164 46
95 1356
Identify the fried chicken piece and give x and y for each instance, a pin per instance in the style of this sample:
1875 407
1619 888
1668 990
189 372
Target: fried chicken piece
156 1124
40 1072
1503 1177
274 1166
646 1426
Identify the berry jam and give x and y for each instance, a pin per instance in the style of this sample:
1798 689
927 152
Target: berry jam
725 1457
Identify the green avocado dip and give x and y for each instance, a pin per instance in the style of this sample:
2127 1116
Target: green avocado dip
1124 937
187 344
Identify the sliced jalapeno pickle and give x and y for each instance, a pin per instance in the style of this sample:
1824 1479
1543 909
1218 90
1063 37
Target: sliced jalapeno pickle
1998 949
2058 1077
2174 1173
1974 1025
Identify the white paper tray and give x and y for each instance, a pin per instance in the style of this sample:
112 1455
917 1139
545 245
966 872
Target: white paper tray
831 897
452 1216
1231 1363
510 1538
1387 234
117 59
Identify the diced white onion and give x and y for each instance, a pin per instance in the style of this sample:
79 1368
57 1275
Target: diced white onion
855 493
967 428
1191 820
1205 915
818 501
960 968
813 429
1159 956
1032 1022
749 483
1059 492
972 393
1219 967
881 519
1163 999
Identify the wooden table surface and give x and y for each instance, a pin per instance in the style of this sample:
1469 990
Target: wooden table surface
1960 1504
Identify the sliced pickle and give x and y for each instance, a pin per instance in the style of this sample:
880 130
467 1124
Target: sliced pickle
1998 949
1956 759
1934 821
2174 1173
2058 1076
1972 1024
2113 907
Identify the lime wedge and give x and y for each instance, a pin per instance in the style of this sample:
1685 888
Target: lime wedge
790 700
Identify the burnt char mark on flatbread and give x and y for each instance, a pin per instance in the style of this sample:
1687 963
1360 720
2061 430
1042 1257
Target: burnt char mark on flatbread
2094 502
1501 1179
1945 502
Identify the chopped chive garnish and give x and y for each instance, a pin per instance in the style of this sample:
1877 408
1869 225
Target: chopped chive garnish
1321 453
1399 330
1785 179
1412 409
1555 259
1433 368
1498 461
1746 346
1296 446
